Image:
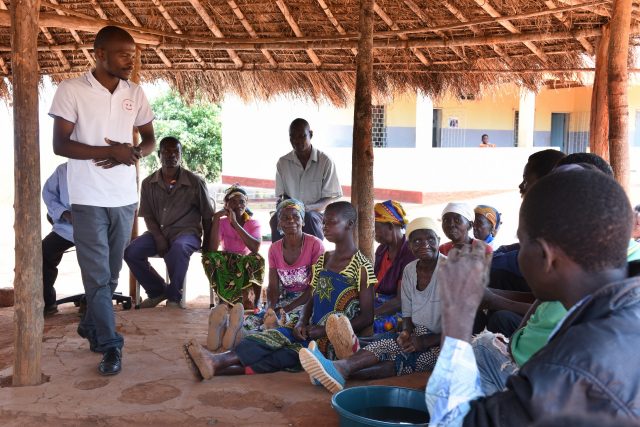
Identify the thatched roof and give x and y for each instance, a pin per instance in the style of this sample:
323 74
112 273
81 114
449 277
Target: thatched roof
261 48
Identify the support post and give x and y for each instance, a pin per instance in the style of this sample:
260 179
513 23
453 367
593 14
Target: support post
599 118
362 151
526 118
135 78
28 309
617 90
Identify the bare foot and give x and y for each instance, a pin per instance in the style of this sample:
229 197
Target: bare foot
270 320
202 358
284 319
218 318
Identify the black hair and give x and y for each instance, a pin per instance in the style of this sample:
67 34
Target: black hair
483 135
167 140
583 212
299 121
110 33
637 208
344 209
588 158
542 162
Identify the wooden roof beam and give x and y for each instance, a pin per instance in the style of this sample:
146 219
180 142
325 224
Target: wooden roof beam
486 6
325 8
247 26
137 23
423 17
77 38
462 18
598 10
296 30
214 29
560 17
174 27
387 20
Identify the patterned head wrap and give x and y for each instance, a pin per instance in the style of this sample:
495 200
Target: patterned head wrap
462 209
390 212
290 203
237 190
491 214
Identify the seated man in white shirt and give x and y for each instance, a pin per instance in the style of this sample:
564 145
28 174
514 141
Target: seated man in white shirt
306 174
574 230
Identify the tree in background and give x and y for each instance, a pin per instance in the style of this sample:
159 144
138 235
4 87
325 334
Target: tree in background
197 126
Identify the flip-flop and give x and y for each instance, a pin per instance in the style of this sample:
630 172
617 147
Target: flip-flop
341 336
196 353
322 369
190 363
313 347
236 317
217 325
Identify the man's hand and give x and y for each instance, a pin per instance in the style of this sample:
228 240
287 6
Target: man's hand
124 153
462 279
66 215
106 163
162 245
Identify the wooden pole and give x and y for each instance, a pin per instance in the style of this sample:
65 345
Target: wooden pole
28 308
362 152
135 78
617 90
599 119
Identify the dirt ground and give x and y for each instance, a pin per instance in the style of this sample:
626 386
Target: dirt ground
155 386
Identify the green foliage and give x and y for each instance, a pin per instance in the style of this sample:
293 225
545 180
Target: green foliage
197 126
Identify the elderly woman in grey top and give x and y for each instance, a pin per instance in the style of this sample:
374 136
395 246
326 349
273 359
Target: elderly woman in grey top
416 348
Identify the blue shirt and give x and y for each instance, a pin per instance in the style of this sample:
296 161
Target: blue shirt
56 196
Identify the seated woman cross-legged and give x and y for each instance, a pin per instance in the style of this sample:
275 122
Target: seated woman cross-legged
342 282
290 262
416 348
238 267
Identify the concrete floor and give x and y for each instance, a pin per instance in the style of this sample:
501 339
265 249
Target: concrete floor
155 386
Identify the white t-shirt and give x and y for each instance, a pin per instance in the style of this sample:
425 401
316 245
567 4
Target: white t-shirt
422 306
99 114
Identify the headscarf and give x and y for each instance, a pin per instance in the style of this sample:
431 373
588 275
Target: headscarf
491 214
424 223
390 212
462 209
237 190
290 203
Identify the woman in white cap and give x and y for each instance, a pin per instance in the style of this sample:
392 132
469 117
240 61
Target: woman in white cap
416 348
457 222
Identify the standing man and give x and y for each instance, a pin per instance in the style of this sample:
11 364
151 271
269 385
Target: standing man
94 117
306 174
56 198
176 208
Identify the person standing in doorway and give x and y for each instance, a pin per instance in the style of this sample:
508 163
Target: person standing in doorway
94 118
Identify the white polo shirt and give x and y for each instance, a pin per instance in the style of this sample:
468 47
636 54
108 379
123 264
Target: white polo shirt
99 114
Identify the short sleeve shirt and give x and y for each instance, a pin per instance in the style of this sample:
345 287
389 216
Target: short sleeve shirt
424 306
231 241
317 181
179 210
98 114
296 277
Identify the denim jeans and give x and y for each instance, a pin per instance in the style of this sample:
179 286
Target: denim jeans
495 364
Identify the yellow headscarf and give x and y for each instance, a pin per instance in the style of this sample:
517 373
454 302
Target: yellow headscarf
390 212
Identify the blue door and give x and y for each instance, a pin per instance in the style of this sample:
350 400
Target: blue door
559 128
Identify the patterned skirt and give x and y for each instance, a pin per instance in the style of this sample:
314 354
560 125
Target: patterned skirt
230 273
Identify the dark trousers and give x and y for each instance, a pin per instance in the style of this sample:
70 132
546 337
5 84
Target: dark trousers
53 247
177 260
312 225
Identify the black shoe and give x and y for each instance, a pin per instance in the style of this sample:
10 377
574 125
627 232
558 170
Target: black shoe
111 363
50 310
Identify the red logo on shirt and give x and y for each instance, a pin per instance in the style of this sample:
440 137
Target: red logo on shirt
127 105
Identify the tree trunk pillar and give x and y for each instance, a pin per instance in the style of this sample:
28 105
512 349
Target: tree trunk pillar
28 308
617 90
599 118
362 152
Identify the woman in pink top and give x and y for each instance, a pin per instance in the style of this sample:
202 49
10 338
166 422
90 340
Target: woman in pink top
238 267
290 262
